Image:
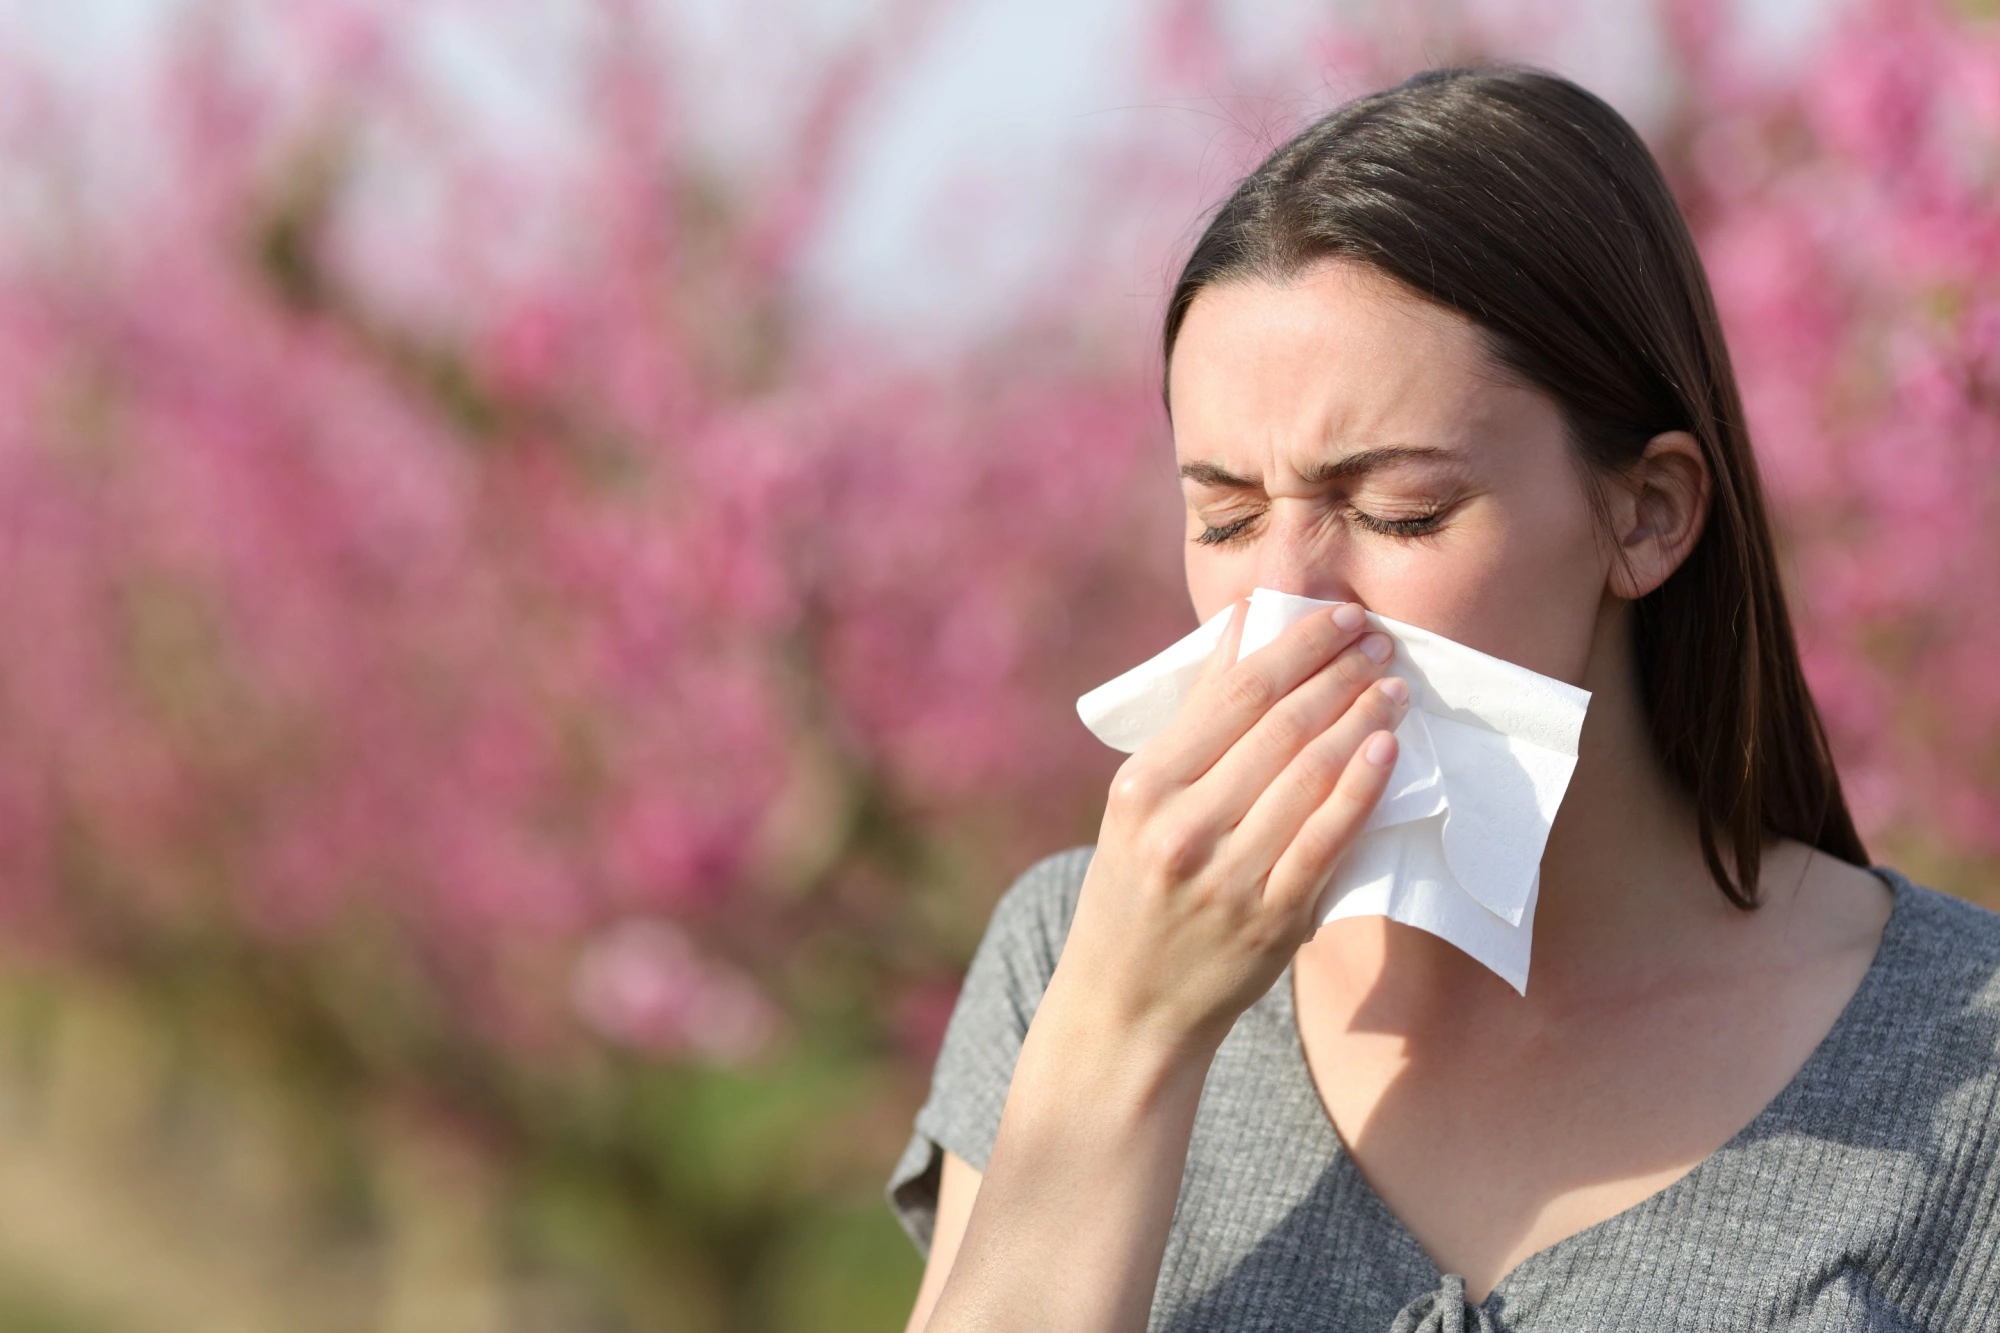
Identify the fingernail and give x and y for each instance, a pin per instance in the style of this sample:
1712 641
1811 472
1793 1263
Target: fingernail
1377 647
1348 616
1395 687
1380 750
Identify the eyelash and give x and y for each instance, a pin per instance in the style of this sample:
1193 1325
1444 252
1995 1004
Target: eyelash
1420 526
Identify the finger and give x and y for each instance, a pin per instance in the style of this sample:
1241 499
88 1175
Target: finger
1237 781
1223 706
1309 855
1303 788
1292 799
1301 873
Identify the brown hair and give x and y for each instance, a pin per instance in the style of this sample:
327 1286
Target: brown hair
1529 205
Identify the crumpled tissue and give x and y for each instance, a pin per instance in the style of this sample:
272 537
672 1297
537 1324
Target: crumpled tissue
1485 753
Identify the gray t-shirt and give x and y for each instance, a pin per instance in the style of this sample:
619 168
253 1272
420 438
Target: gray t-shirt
1865 1196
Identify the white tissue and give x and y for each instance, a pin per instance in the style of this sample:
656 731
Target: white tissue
1485 753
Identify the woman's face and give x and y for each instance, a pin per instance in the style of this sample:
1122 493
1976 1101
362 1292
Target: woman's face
1343 439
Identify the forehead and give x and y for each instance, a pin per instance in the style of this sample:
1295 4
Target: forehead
1341 354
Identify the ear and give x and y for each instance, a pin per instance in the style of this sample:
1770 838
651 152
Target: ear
1658 507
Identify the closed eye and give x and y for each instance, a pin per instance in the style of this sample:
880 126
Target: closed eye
1227 532
1418 525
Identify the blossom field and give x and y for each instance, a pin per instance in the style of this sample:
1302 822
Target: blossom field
512 714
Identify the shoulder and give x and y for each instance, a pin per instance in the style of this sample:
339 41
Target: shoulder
1918 1091
1942 944
1926 1021
1024 937
1037 907
1003 986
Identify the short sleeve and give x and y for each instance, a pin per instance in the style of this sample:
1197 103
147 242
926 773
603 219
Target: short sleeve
975 1063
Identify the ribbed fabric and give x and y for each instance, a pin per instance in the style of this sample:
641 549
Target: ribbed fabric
1865 1196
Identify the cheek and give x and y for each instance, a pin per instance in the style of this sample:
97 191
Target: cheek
1525 587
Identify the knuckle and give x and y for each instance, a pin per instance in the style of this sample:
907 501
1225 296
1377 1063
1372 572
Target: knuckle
1343 802
1318 769
1247 689
1312 850
1328 840
1285 732
1173 851
1348 801
1266 933
1131 789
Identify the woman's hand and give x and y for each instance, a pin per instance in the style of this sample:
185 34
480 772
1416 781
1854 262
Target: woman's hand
1219 834
1221 831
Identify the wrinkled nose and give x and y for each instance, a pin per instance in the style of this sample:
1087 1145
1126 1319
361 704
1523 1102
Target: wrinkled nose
1300 557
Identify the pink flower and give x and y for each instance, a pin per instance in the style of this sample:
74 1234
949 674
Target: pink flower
643 984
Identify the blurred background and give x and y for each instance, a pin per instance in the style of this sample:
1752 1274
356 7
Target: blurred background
547 548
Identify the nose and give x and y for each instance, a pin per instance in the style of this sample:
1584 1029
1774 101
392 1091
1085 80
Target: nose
1299 556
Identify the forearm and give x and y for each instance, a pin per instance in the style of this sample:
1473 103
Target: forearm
1071 1218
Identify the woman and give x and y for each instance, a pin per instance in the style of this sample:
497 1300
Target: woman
1450 354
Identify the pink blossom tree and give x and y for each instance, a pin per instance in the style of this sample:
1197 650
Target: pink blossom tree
384 575
468 614
1849 212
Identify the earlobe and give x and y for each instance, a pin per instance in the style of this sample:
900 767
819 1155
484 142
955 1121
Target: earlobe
1664 511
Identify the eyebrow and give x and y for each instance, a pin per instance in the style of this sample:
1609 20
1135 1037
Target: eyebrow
1338 469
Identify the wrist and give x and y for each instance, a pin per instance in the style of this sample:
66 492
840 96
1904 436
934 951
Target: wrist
1085 1053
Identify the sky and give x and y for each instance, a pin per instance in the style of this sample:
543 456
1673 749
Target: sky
1038 88
1026 97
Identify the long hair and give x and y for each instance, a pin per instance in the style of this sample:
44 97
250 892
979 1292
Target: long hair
1530 206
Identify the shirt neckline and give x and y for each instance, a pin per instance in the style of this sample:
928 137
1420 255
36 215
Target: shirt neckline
1760 1125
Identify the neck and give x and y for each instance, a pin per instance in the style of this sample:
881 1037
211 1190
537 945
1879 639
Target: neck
1623 877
